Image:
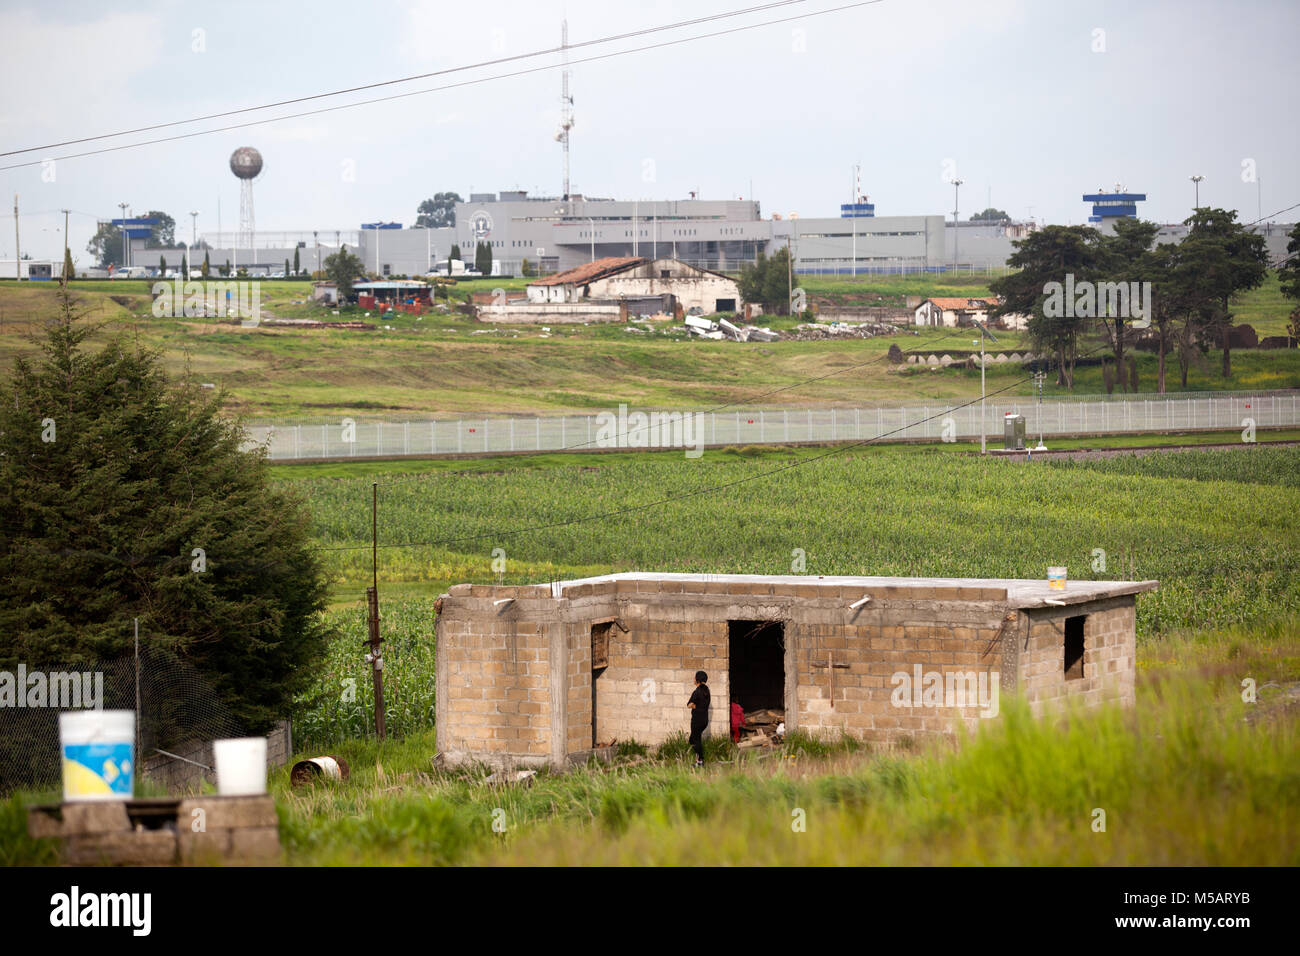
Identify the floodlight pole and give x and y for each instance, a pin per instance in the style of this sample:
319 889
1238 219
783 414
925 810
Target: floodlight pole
1039 378
956 219
984 421
121 206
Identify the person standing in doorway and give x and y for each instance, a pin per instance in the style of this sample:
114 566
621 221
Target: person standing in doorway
699 707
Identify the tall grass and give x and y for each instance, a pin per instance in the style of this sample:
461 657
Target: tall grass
1183 779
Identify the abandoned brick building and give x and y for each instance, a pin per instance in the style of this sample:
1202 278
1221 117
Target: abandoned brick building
543 674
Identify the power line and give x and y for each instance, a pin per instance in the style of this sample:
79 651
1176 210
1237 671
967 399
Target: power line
410 79
438 89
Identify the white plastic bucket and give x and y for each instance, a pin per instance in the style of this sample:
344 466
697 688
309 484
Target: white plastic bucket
241 766
1056 579
98 754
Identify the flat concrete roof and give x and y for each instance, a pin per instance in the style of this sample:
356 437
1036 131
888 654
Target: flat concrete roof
1020 593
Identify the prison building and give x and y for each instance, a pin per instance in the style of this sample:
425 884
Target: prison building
529 675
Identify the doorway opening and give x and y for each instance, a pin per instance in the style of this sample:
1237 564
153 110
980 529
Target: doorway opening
756 672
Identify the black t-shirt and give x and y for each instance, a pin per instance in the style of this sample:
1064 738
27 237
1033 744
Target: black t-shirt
700 698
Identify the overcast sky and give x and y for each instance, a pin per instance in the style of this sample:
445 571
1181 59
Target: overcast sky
1030 102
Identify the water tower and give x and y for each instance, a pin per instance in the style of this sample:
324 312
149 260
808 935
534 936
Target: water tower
245 163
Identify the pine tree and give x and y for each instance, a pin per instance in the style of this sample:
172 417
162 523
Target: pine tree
110 478
297 267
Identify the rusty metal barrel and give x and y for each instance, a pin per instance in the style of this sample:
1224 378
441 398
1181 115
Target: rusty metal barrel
318 768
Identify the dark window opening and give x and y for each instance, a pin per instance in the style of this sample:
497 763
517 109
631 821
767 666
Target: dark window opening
663 274
756 664
724 305
1074 647
599 661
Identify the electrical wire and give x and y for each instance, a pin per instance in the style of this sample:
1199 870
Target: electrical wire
437 89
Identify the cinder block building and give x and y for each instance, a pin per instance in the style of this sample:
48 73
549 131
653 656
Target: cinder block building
543 674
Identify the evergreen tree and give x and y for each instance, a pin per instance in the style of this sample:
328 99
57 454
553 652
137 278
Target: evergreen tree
110 478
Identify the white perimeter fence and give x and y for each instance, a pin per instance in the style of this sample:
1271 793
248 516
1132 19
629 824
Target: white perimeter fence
345 438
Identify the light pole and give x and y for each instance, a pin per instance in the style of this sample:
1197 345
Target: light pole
194 228
67 253
1039 377
983 417
1196 180
956 222
592 223
123 207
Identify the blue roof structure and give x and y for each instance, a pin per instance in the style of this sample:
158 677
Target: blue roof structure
857 210
1113 205
139 227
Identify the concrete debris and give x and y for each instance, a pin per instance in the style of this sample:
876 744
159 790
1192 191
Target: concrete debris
725 329
809 331
733 331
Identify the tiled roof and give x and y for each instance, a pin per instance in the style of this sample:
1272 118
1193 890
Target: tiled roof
591 271
949 303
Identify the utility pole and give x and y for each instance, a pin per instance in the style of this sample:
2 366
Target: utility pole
67 252
374 656
983 365
18 256
789 272
956 221
123 207
984 420
853 214
137 692
1039 377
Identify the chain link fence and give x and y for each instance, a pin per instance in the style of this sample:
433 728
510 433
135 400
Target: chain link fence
176 708
623 428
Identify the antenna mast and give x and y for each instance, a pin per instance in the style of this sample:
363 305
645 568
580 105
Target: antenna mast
566 105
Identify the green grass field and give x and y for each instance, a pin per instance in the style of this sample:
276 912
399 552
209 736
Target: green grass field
445 365
1193 776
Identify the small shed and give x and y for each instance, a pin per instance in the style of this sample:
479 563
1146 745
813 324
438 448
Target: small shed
953 311
400 295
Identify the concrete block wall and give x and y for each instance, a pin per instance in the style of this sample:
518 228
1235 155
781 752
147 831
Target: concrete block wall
494 695
890 636
515 680
1109 658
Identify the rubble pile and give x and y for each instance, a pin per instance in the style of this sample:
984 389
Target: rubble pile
723 329
762 728
812 331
